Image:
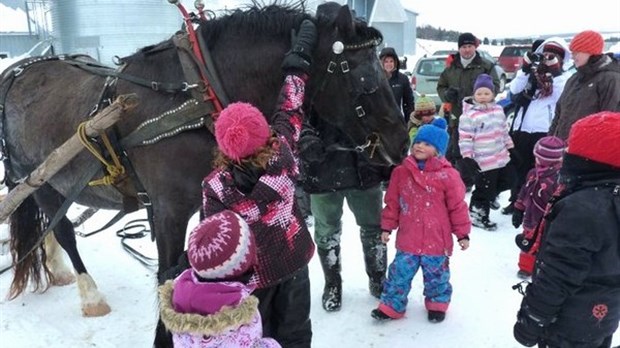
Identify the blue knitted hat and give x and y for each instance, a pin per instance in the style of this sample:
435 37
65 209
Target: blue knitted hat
435 134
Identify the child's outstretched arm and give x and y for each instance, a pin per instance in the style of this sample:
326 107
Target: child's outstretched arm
296 67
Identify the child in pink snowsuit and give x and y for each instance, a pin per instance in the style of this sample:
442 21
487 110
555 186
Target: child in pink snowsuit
541 183
209 305
425 202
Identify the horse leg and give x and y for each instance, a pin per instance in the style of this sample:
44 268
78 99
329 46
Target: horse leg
60 274
92 301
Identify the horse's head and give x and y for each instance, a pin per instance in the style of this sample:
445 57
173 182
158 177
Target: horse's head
349 89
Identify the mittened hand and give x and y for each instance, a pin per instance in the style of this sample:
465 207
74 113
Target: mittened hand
526 331
517 218
452 95
528 59
515 157
299 58
469 167
310 146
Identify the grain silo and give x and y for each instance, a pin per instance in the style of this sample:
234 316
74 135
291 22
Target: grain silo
107 28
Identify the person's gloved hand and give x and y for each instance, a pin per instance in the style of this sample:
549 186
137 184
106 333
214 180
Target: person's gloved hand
527 330
469 168
310 146
515 157
517 218
299 58
452 95
246 176
530 60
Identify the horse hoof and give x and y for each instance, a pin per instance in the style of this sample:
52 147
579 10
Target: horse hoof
63 279
96 310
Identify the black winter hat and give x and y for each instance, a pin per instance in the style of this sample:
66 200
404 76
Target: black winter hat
468 39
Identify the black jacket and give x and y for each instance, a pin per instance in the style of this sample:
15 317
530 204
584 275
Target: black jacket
340 169
403 94
401 89
576 284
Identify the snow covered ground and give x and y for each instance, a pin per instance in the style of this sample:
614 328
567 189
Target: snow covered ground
481 315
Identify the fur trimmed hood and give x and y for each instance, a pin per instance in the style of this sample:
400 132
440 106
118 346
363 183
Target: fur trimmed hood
209 325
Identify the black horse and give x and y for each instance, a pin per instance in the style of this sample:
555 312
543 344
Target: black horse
48 99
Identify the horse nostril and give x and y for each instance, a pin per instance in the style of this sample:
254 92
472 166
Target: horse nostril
405 150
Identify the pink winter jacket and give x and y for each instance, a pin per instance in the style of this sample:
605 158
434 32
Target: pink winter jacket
426 206
483 135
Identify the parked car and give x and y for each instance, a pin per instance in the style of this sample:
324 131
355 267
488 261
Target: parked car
426 75
511 59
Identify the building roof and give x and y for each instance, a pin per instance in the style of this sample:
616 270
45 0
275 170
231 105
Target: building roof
390 11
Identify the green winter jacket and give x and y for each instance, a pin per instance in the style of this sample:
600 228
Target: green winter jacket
463 79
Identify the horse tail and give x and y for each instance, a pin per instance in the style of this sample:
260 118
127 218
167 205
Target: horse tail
26 227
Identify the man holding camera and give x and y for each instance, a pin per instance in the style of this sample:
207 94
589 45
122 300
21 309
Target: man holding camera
535 90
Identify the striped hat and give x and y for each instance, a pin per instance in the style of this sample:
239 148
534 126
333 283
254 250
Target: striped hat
221 247
424 106
589 42
549 150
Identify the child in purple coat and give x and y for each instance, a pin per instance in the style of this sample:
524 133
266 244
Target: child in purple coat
209 305
541 183
425 202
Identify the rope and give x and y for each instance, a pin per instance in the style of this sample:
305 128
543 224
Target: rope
115 169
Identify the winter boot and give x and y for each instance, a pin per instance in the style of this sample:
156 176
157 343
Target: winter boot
436 316
375 258
332 292
379 315
524 275
479 214
509 209
495 203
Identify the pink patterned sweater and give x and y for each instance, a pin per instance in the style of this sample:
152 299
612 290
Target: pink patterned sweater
284 244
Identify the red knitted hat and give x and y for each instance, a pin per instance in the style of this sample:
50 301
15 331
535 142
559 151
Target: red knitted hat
221 246
240 130
597 137
588 42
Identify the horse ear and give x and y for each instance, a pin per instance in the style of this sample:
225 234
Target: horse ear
344 21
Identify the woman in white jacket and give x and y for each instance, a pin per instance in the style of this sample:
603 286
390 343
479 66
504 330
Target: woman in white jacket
535 90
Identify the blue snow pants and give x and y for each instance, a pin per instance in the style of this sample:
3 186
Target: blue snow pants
436 273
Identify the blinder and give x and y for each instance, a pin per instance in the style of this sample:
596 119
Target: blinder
360 82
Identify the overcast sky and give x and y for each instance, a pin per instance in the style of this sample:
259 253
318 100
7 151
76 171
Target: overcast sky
491 18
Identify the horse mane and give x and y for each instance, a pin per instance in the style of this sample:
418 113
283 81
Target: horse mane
257 20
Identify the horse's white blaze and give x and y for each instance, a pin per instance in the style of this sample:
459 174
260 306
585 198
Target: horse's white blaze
61 273
93 302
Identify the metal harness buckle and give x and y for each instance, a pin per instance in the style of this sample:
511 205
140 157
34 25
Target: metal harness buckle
144 199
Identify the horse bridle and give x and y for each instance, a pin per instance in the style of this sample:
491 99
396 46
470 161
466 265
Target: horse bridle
339 62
